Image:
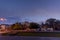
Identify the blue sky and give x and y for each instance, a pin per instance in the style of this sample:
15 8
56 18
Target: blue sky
34 10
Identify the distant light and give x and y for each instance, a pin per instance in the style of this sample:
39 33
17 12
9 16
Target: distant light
2 19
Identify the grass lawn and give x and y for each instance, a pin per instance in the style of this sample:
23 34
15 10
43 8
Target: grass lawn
41 34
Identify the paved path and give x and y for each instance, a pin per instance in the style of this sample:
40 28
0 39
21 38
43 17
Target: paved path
27 38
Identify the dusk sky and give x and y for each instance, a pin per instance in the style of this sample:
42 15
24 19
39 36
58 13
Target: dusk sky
34 10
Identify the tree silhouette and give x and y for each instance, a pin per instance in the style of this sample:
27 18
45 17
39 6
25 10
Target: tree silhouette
57 25
34 25
16 26
51 22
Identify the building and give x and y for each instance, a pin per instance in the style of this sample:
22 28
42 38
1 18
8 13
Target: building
3 27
